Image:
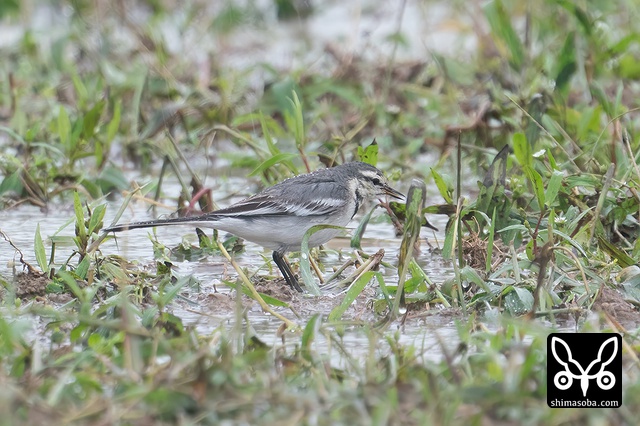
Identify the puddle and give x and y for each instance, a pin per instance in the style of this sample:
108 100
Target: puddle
429 335
196 307
366 28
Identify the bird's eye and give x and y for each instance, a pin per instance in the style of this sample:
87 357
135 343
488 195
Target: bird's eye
376 181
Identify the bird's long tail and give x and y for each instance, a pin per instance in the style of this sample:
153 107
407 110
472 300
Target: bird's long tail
204 221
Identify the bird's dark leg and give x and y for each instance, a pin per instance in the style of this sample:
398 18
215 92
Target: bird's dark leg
285 268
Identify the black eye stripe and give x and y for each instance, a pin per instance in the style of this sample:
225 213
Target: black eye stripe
375 179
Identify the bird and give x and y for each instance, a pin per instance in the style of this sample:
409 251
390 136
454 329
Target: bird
278 217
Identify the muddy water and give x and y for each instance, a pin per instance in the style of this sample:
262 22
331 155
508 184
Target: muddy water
195 307
365 27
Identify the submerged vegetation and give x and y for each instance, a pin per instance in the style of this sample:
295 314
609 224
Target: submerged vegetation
119 98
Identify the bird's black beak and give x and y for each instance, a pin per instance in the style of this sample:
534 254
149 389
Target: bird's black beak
387 190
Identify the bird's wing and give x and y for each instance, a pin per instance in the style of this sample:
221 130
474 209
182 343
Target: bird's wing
292 198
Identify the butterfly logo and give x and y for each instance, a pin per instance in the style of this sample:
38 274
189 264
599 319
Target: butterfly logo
564 379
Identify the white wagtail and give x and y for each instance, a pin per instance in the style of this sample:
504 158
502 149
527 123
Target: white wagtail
278 217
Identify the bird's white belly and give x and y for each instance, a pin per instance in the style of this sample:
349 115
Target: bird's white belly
281 234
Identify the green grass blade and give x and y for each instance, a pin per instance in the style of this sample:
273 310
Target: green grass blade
268 299
295 120
83 268
553 187
309 334
41 254
492 233
362 226
114 124
442 186
283 157
504 34
305 263
97 216
352 293
167 293
415 203
538 186
522 150
64 129
71 282
81 230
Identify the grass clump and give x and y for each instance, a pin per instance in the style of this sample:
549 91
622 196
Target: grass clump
541 114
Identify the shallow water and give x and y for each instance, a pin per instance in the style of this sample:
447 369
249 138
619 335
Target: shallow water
359 28
19 225
365 28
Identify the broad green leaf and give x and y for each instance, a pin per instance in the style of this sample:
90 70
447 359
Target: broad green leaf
91 119
418 272
538 186
587 180
95 223
518 301
554 185
443 188
522 150
78 332
74 146
12 182
566 63
95 341
98 153
467 273
72 284
412 284
518 227
83 268
369 154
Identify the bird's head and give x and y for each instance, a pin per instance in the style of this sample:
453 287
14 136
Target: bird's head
371 183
